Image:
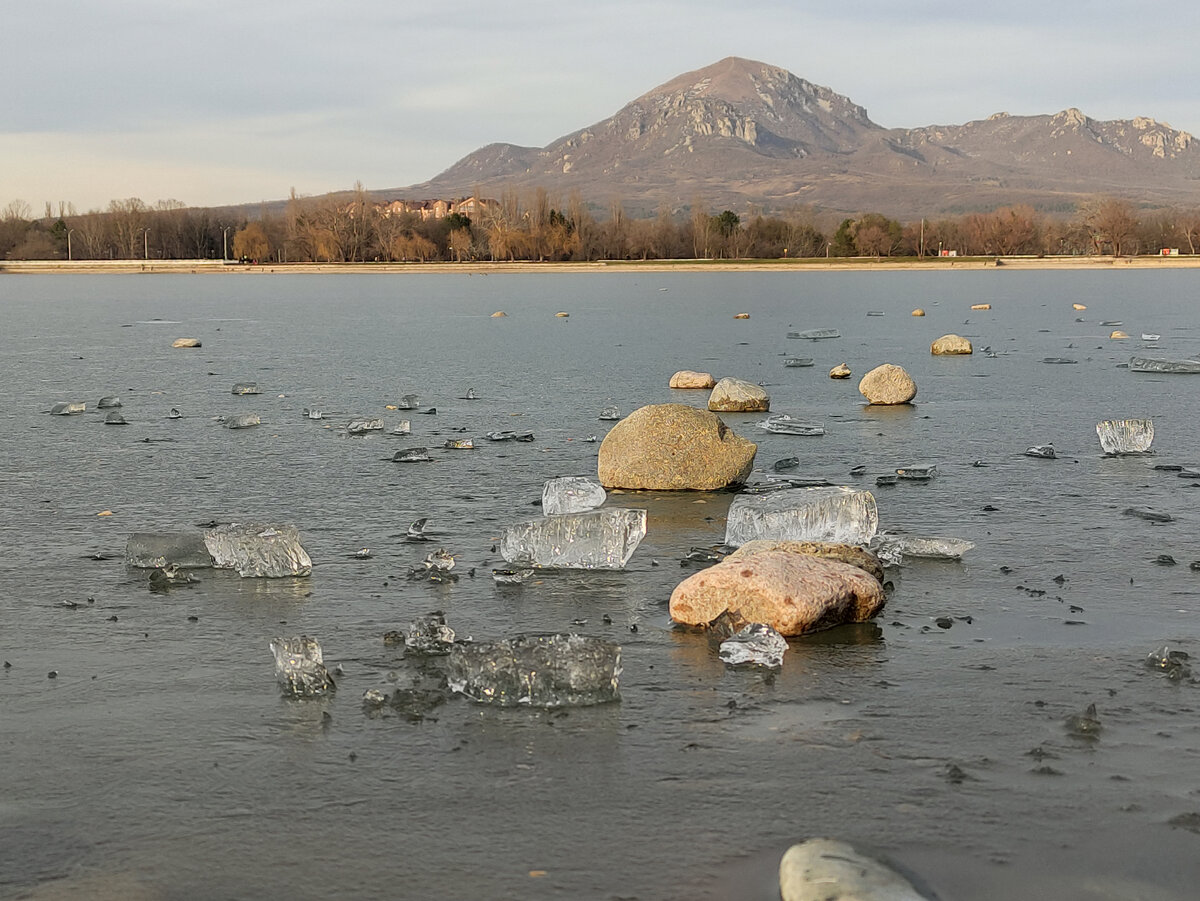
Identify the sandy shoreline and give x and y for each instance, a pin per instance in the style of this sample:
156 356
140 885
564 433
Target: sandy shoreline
805 265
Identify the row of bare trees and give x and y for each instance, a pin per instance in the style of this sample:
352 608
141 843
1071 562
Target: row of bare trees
352 227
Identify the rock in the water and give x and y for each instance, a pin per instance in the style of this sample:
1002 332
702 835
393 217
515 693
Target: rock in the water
823 869
499 314
1117 334
741 315
674 447
737 396
185 342
687 378
981 306
948 345
918 312
840 371
792 593
830 550
888 384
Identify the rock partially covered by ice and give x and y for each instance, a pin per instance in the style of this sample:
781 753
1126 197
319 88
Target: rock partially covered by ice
154 550
257 550
894 549
823 869
599 539
1159 364
300 668
537 671
840 514
1125 436
756 645
571 494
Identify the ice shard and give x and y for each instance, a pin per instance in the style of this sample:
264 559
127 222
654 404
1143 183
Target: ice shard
242 421
153 550
816 334
599 539
571 494
300 668
1125 436
537 671
362 426
258 550
893 549
756 644
1159 364
845 515
429 635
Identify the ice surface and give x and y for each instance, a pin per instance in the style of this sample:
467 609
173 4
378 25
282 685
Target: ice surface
599 539
1160 364
783 424
362 426
245 388
1125 436
258 550
537 671
841 514
242 421
67 409
815 334
571 494
756 644
429 635
152 550
894 549
299 667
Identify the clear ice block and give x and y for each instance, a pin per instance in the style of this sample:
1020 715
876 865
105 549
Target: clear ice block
67 409
1160 364
245 388
599 539
756 644
537 671
571 494
845 515
429 635
362 426
242 421
153 550
300 668
893 549
1125 436
257 550
783 424
816 334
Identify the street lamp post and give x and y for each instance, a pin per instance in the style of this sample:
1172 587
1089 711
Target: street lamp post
145 243
69 257
225 242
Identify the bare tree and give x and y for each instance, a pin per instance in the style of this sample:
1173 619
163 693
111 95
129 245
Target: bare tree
1113 222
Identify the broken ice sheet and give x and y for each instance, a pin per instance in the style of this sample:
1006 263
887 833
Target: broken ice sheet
598 539
1125 436
571 494
756 644
300 668
258 550
840 514
537 671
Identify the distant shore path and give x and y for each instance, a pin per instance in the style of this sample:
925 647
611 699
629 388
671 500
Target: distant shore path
845 264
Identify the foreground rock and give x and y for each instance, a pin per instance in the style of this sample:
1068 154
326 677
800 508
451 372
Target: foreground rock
948 345
674 447
888 384
792 593
687 378
830 550
823 869
738 396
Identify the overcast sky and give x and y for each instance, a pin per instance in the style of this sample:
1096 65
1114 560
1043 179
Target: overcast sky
215 102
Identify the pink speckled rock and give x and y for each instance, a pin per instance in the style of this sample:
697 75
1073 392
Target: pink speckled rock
792 593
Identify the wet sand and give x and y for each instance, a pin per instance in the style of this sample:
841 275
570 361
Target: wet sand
892 264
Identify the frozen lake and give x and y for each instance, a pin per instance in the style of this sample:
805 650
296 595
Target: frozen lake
162 763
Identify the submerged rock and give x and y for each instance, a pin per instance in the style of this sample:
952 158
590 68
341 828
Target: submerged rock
115 418
732 395
824 869
242 421
673 447
888 384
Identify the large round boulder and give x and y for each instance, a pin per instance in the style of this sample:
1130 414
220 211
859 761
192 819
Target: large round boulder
686 378
888 384
831 550
737 396
792 593
950 344
674 447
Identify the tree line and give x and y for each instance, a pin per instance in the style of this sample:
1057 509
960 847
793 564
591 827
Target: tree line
353 227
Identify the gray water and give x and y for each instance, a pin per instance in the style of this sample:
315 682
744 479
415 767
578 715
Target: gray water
162 762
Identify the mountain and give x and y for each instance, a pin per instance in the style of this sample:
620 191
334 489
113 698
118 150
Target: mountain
741 133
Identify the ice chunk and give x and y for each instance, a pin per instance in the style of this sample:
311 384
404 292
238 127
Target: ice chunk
893 549
571 494
403 427
245 388
242 421
1148 514
300 668
1125 436
840 514
114 417
408 402
1173 663
109 402
258 550
599 539
313 413
783 424
509 435
1045 451
1060 361
511 576
362 426
797 362
459 444
67 409
153 550
412 455
756 644
429 635
1160 364
537 671
816 334
610 413
917 473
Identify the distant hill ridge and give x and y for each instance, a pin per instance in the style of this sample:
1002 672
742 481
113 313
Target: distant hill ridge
741 132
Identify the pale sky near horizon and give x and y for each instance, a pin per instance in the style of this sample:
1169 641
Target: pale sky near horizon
216 103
